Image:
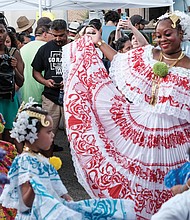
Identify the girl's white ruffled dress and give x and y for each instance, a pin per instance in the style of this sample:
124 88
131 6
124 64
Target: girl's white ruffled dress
122 146
48 189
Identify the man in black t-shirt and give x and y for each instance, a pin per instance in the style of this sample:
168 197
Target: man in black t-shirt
48 59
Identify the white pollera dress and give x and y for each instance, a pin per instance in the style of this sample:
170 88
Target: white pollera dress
122 146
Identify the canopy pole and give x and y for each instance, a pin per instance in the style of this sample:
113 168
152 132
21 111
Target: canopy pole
65 15
40 8
172 7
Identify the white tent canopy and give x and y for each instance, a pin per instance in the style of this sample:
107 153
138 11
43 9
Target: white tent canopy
80 4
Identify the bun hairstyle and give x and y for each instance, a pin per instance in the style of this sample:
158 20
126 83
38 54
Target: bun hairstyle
96 22
30 118
112 16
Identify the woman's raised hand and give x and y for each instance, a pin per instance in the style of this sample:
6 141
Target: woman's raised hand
96 36
130 26
122 24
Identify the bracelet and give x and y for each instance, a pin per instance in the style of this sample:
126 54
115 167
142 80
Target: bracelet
99 43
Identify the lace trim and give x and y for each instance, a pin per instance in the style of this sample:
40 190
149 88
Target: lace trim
132 74
65 62
28 167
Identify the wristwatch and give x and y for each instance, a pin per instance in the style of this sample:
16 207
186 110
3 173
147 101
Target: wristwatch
99 43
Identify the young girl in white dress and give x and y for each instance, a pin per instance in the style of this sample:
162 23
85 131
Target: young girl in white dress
35 188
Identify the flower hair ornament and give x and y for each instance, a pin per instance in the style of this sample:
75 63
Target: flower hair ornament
182 18
24 128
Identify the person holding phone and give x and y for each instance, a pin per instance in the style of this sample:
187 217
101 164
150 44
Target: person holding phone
136 37
48 59
111 20
139 23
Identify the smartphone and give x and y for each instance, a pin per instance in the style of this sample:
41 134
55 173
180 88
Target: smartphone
57 85
124 16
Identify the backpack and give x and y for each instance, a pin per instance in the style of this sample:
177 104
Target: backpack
7 75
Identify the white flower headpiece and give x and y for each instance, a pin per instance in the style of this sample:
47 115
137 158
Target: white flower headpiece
27 105
25 129
184 22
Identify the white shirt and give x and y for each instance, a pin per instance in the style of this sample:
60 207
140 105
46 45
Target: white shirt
176 208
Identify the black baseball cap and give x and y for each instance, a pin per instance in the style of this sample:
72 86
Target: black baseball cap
137 19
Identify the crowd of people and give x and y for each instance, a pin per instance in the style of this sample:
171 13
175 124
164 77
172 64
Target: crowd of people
124 106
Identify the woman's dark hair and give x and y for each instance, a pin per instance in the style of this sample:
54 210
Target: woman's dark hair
120 43
80 28
96 22
112 16
13 38
111 39
20 37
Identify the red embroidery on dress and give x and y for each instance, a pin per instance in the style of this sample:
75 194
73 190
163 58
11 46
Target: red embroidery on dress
131 178
130 130
141 74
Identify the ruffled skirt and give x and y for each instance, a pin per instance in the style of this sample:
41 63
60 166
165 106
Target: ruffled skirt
45 206
120 150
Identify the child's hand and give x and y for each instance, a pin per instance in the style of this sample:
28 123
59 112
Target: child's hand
67 197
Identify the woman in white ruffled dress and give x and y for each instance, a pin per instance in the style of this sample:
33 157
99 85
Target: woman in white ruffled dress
126 132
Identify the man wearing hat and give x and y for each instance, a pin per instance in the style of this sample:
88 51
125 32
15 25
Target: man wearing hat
138 22
73 30
25 25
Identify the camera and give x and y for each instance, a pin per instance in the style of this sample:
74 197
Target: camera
5 63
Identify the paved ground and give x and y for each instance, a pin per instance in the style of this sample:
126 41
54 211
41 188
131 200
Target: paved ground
67 171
